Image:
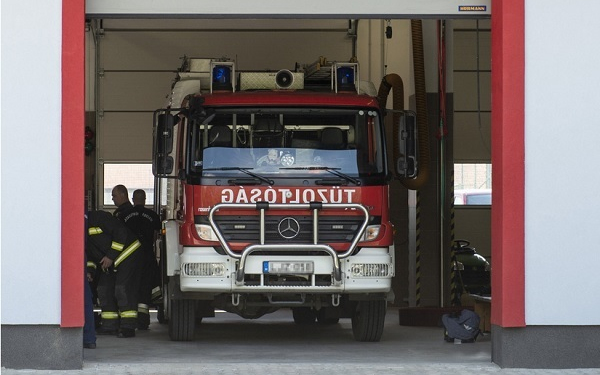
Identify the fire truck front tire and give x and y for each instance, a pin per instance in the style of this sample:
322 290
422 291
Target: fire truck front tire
368 320
182 320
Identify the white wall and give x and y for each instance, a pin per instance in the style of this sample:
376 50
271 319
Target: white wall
562 198
30 161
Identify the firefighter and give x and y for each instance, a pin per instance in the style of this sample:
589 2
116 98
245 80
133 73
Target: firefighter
89 329
113 247
145 223
120 197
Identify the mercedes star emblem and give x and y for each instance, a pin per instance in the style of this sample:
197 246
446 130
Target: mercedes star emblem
288 227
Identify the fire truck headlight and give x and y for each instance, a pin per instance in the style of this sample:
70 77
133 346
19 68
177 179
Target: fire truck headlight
203 269
371 232
370 270
206 233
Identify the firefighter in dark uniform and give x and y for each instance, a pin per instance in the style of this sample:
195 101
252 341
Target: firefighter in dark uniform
121 199
145 223
113 247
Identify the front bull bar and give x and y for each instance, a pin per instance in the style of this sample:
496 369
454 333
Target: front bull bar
262 207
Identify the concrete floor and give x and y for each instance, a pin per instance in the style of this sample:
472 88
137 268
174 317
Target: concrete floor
228 344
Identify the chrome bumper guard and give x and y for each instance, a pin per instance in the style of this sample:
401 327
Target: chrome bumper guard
315 207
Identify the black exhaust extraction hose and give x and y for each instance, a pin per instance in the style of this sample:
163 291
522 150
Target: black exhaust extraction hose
394 82
421 107
389 82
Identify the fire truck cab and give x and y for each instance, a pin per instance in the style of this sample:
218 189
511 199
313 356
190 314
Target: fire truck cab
277 195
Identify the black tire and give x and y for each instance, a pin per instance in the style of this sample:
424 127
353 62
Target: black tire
182 321
368 320
164 307
324 320
304 315
160 314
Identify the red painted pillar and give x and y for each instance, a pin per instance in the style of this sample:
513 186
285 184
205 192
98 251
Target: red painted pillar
508 163
72 149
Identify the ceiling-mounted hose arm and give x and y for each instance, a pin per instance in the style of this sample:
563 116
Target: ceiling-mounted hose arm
421 107
393 82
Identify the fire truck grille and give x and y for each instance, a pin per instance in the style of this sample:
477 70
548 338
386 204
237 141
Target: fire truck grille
289 229
287 280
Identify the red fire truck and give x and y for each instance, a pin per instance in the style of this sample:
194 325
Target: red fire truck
277 195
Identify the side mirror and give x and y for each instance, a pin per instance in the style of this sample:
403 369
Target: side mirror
162 163
164 133
405 147
162 166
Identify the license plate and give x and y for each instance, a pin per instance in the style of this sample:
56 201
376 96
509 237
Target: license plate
291 267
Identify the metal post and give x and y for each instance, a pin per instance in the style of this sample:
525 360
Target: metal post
414 248
412 245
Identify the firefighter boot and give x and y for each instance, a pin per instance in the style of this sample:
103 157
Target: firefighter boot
143 321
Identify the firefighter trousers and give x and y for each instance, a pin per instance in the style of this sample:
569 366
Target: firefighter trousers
148 273
117 293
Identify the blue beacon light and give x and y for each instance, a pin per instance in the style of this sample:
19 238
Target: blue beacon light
221 78
345 78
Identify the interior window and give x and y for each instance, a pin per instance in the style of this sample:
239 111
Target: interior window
473 184
133 176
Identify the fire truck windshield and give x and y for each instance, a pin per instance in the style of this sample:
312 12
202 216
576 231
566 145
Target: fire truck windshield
288 142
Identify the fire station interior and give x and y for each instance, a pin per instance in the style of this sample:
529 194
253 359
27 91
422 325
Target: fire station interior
131 64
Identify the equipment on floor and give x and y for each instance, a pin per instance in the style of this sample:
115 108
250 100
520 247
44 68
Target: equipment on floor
461 328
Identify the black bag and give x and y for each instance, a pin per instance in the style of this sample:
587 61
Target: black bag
463 327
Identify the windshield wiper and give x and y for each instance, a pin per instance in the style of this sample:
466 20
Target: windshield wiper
242 181
335 171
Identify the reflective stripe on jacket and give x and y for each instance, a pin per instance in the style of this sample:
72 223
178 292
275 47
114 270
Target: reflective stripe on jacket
127 252
109 315
94 230
129 314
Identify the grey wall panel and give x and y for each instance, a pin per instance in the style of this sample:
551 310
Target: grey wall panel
471 139
484 24
547 347
125 136
472 129
466 92
138 67
43 347
466 50
134 91
276 50
475 226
